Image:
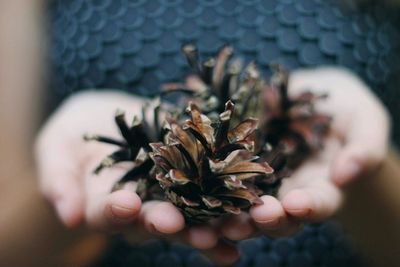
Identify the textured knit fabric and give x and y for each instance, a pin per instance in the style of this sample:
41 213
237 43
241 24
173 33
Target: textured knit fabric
134 45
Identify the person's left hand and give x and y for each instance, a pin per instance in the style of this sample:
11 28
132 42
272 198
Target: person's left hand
356 145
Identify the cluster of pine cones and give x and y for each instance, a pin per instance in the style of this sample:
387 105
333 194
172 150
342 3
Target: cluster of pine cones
236 138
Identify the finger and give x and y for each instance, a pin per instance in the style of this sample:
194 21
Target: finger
66 196
63 157
68 201
358 157
111 211
223 254
105 210
59 183
363 124
202 237
161 217
313 203
238 227
271 218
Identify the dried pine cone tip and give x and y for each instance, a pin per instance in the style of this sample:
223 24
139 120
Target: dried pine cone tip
89 137
252 71
192 56
94 137
190 50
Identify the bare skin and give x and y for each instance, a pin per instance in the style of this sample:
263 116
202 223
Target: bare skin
358 143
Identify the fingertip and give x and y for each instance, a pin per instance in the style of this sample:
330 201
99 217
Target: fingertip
268 213
68 202
70 214
122 207
224 254
345 170
298 203
272 219
356 158
165 218
202 237
238 227
126 199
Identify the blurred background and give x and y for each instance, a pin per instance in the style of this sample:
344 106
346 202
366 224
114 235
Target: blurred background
134 45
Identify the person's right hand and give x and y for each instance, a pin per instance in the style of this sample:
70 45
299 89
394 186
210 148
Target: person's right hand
66 163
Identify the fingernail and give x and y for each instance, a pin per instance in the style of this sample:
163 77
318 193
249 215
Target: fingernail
300 214
348 172
121 212
152 229
272 224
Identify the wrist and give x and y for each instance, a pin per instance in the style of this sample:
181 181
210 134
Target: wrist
371 212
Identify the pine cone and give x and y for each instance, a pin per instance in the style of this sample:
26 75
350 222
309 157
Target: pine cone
206 167
292 123
206 170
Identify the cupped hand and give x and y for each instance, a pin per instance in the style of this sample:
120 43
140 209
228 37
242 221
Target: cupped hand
357 145
66 162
